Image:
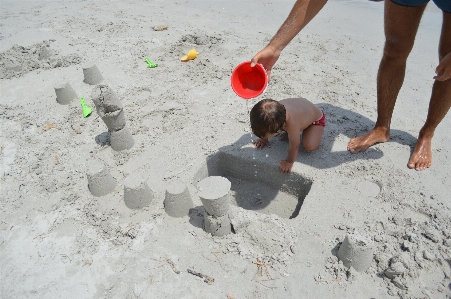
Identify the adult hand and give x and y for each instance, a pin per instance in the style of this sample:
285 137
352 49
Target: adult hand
266 57
285 166
443 69
261 143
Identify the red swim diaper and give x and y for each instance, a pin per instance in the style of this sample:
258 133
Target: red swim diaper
320 121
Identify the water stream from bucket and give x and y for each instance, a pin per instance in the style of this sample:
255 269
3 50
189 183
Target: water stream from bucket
257 199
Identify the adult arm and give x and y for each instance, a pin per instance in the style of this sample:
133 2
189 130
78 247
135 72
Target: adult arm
301 14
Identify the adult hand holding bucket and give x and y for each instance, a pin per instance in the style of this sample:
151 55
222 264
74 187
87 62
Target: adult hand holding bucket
249 82
267 58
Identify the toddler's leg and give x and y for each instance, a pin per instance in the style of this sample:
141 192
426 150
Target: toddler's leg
311 137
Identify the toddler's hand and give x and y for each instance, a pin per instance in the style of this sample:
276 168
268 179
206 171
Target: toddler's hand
261 143
285 166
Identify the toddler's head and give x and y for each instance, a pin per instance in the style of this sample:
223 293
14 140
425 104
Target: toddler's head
267 117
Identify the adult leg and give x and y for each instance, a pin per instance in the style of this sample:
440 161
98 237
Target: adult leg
311 137
400 25
438 106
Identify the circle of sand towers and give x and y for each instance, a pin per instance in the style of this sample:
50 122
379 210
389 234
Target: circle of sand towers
100 181
65 93
91 73
137 193
110 109
356 251
177 200
214 192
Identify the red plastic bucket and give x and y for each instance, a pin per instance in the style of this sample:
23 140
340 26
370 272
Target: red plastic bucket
249 82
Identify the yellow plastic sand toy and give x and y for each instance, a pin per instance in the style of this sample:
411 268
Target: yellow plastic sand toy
190 55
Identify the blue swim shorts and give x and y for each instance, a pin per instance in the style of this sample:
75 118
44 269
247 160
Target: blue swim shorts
444 5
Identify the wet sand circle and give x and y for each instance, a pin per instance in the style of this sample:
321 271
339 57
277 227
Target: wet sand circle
369 188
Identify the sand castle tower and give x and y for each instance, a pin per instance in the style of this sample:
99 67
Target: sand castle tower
100 181
177 201
137 193
214 192
65 93
91 73
110 109
356 251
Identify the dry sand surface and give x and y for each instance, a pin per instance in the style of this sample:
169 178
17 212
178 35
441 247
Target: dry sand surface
59 241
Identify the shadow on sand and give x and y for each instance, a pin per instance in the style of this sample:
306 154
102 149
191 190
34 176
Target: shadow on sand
340 123
258 184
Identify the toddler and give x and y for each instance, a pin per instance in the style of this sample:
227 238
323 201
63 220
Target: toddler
293 116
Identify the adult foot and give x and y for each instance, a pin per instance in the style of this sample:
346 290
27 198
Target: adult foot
422 154
361 143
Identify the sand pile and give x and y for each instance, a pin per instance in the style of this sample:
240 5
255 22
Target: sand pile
20 60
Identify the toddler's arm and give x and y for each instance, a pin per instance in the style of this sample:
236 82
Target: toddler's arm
294 140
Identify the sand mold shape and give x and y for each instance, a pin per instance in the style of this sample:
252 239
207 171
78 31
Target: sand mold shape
177 202
65 93
110 109
91 73
356 251
214 192
100 181
105 99
217 226
137 193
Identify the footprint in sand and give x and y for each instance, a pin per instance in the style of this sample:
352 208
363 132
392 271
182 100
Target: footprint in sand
369 188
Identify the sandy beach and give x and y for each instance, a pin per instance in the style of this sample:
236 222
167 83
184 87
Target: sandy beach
185 124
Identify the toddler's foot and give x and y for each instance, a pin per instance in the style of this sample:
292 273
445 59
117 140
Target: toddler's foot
361 143
422 154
